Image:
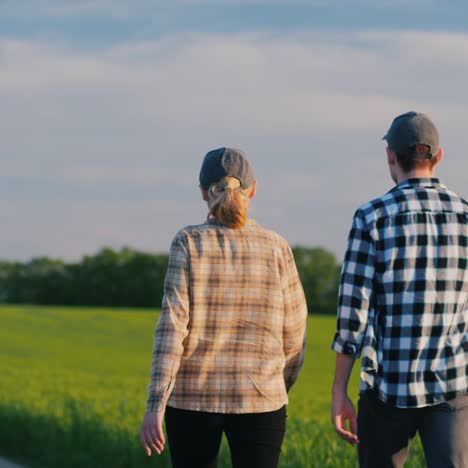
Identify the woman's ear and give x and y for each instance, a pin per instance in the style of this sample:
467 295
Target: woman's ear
253 190
204 193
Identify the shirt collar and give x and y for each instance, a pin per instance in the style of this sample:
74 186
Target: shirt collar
212 220
421 181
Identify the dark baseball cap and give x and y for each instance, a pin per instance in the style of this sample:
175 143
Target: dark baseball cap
224 162
413 133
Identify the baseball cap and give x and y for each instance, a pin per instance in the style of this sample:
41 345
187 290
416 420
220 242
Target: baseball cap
224 162
413 133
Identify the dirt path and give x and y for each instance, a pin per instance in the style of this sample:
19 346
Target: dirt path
4 463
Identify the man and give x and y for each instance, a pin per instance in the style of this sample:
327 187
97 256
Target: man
403 302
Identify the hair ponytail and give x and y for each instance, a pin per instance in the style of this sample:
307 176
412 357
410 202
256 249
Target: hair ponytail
227 202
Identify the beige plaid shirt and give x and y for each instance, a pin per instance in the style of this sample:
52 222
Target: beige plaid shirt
231 336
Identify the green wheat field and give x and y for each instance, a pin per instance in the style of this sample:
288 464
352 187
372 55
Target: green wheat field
73 389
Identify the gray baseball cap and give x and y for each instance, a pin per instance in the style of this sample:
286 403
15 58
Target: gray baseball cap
224 162
413 133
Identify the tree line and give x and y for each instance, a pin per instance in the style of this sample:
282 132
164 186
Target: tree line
131 278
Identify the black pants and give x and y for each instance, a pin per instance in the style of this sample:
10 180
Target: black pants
385 433
254 439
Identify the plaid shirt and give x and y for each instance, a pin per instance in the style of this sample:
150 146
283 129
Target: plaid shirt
231 335
404 294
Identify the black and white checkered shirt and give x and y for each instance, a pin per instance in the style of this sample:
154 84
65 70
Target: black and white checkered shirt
403 297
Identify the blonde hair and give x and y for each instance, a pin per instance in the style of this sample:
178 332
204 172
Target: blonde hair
228 202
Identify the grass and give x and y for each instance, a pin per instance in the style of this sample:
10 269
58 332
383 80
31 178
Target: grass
73 390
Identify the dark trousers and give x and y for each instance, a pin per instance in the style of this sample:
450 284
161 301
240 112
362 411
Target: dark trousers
385 433
195 437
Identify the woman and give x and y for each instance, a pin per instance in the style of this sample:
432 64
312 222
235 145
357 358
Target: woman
230 340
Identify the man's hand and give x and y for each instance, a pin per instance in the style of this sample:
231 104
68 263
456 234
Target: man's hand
344 417
152 435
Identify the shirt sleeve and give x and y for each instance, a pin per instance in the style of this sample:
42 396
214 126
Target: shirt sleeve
295 321
172 328
356 288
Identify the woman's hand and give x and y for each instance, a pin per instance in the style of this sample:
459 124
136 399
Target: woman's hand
152 435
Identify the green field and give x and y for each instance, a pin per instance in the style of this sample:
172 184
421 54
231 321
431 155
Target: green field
73 389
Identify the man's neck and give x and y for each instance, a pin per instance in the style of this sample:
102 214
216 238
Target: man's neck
415 174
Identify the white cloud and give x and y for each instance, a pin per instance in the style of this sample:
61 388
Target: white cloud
310 109
193 77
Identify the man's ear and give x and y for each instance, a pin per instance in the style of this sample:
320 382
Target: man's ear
204 193
391 157
439 156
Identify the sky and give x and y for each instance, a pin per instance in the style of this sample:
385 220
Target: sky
107 108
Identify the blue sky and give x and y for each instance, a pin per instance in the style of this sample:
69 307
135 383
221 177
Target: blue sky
108 106
106 20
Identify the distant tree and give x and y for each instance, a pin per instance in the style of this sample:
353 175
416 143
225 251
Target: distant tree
37 281
319 272
130 278
109 278
120 278
5 274
145 279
